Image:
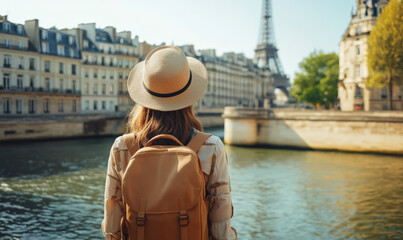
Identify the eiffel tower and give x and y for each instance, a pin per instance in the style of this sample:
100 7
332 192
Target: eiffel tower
266 51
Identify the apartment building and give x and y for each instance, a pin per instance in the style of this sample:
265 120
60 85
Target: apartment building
354 94
39 69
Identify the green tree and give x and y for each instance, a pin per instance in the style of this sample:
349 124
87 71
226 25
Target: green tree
317 80
385 49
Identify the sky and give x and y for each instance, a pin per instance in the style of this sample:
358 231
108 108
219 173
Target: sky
300 26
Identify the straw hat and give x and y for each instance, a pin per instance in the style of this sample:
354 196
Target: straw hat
167 80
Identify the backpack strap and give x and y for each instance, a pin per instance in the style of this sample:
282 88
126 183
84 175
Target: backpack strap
198 140
131 145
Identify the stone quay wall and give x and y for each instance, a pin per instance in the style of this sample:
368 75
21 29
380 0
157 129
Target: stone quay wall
379 132
68 126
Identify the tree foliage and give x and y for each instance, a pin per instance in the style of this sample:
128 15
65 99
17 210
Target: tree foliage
317 80
385 48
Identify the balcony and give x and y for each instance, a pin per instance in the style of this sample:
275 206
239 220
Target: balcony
20 67
7 65
31 67
2 45
40 90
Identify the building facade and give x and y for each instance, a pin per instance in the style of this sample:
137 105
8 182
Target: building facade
39 70
233 80
353 93
68 71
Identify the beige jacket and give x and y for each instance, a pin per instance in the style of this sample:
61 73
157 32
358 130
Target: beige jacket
215 166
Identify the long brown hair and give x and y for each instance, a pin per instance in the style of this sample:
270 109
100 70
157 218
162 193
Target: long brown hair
146 123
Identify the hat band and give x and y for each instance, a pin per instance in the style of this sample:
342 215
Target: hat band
165 95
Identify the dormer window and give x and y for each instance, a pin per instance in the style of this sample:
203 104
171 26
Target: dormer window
44 34
60 50
71 40
7 27
58 37
121 41
85 44
19 29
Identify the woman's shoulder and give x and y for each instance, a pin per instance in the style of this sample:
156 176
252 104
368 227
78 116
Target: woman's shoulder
119 144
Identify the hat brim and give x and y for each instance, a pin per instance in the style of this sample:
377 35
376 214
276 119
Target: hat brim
190 96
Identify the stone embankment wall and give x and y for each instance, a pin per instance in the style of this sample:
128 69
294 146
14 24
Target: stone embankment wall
62 126
380 132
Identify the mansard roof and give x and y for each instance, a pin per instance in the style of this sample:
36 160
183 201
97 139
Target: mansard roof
50 37
12 28
103 36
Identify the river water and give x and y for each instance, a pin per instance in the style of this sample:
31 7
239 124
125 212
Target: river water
54 190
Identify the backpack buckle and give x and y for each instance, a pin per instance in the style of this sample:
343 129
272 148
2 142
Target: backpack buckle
140 221
183 220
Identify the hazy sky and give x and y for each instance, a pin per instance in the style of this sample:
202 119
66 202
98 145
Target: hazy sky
300 26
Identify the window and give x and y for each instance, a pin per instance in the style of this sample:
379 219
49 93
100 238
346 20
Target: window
18 106
358 50
103 88
32 64
357 71
46 106
111 90
6 81
61 105
61 68
95 105
87 88
20 83
47 84
61 85
103 61
71 40
133 63
21 65
6 105
358 92
125 51
86 74
127 63
19 29
95 60
120 75
87 105
58 37
47 66
85 44
7 61
358 31
384 93
7 42
103 105
96 89
7 27
120 63
60 50
111 106
31 106
73 69
31 82
44 34
20 44
72 54
74 86
95 74
45 47
74 106
120 87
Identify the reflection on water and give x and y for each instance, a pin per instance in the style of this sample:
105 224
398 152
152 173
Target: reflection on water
54 190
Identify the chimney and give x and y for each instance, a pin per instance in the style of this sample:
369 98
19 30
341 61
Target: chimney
32 30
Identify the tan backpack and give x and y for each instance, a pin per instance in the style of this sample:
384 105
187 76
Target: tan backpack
163 191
